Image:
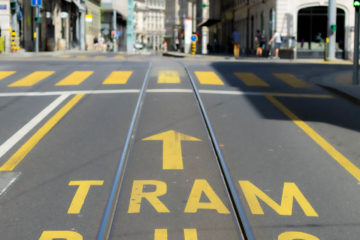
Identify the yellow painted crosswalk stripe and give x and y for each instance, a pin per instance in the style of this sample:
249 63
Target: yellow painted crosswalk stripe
76 78
32 79
250 79
118 77
208 78
99 57
4 74
20 154
168 77
292 80
119 57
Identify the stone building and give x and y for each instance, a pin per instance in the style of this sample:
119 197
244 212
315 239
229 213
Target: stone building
302 24
149 22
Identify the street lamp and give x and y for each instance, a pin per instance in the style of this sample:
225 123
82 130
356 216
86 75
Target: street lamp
356 45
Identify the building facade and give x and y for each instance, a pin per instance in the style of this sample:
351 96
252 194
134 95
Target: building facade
149 22
302 24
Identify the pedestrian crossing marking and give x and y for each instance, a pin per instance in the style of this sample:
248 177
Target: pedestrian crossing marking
99 57
82 57
118 77
208 78
4 74
170 77
291 80
250 79
119 57
65 56
76 78
32 79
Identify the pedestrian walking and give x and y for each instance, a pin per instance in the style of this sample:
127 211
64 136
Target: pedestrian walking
277 38
236 43
259 42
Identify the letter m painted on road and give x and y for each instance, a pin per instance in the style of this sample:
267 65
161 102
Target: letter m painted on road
290 192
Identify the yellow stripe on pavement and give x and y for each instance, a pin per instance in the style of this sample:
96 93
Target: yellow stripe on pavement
21 153
99 57
168 77
4 74
119 57
208 78
292 80
76 78
82 57
118 77
251 79
32 79
335 154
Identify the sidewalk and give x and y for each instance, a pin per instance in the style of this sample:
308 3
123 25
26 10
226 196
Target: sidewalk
341 83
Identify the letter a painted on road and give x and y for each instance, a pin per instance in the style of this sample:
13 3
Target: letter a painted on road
172 154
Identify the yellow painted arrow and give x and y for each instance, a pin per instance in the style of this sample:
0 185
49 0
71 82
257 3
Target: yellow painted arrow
172 154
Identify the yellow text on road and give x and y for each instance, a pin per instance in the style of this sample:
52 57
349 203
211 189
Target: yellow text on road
81 193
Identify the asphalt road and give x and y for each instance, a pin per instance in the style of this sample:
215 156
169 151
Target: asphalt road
120 147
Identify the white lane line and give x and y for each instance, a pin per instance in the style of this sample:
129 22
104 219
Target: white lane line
229 92
169 91
25 94
6 146
6 180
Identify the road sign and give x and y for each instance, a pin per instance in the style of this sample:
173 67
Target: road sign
194 38
36 3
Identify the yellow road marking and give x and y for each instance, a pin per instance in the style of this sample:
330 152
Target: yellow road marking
251 79
65 56
32 79
81 194
21 153
68 235
119 57
168 77
292 80
4 74
82 57
118 77
76 78
172 154
99 57
209 78
335 154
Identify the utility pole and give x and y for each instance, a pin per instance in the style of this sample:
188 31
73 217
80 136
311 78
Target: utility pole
356 45
115 47
37 22
130 27
332 28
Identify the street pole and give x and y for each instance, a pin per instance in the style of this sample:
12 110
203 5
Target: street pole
115 47
37 9
356 49
130 27
332 28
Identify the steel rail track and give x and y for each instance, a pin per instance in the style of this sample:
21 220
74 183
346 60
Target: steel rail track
111 206
242 220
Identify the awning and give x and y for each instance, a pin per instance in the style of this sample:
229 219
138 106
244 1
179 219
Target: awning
208 22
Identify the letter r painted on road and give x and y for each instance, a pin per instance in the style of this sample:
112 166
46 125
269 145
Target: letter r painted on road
137 194
290 192
162 234
81 193
54 235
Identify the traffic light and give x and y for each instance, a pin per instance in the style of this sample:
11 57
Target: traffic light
13 6
356 3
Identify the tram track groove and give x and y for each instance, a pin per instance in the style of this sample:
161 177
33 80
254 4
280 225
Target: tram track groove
246 231
111 206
